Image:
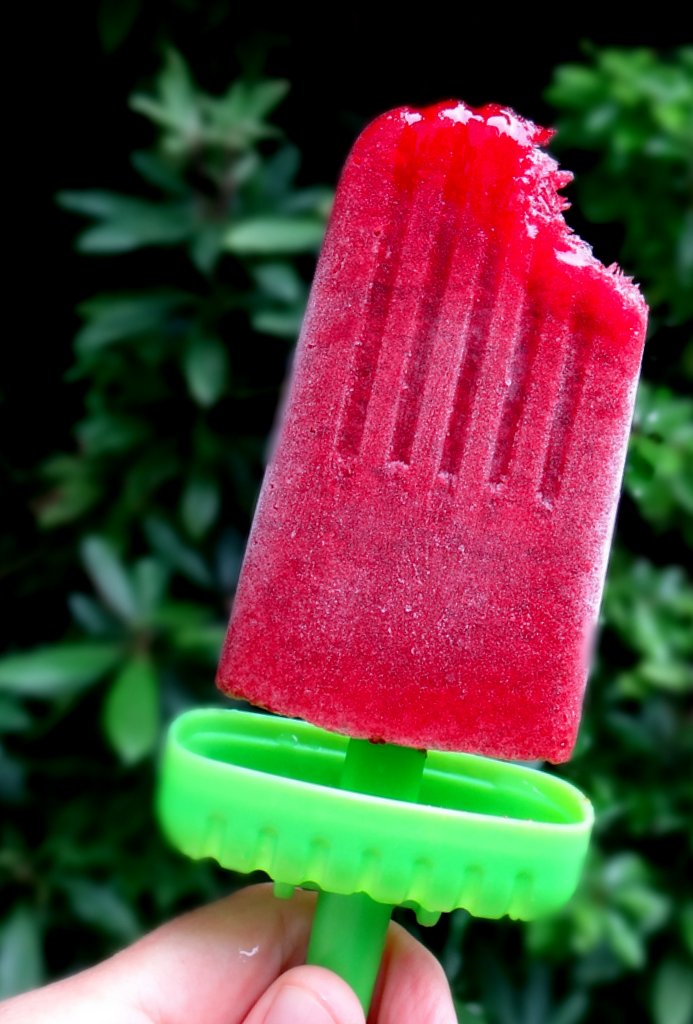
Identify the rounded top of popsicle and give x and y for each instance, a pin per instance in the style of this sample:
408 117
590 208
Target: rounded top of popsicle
539 177
502 119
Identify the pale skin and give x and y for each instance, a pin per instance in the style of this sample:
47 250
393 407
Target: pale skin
238 961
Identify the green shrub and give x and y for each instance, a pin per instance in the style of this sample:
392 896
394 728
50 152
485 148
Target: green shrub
180 375
621 950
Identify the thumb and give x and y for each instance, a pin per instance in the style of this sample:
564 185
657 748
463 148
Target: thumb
311 995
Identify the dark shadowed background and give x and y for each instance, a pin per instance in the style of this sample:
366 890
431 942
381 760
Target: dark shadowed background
164 248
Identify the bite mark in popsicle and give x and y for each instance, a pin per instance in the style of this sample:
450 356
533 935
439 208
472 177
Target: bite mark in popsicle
429 547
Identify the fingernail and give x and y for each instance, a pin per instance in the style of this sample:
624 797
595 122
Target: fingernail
293 1004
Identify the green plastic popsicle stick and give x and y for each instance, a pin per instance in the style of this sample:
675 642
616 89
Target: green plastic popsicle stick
278 795
348 936
349 932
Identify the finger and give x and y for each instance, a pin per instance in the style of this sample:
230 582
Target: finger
311 995
211 966
411 985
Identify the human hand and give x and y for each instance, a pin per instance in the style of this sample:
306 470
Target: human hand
237 962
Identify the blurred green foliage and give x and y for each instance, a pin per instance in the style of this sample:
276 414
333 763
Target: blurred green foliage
180 376
634 112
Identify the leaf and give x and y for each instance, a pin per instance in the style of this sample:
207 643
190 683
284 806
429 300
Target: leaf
100 906
633 108
274 235
280 281
142 226
50 672
237 119
89 614
279 173
278 324
316 200
176 86
255 100
535 997
119 317
499 994
175 552
672 993
687 926
661 452
624 940
110 578
150 579
200 505
131 711
97 203
127 222
206 367
13 717
469 1013
176 105
574 86
12 779
646 906
159 172
205 640
101 434
21 957
572 1010
174 616
72 492
206 246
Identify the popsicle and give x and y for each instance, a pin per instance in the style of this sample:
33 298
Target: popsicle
429 547
428 551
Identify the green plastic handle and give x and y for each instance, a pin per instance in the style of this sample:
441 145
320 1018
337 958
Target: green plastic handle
369 824
348 937
349 932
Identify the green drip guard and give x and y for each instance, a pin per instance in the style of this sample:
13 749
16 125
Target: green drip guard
435 833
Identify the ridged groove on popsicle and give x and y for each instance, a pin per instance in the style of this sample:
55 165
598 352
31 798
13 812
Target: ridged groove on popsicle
520 457
520 368
428 312
380 292
565 410
474 342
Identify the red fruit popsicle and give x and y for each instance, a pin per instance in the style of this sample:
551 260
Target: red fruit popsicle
429 548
